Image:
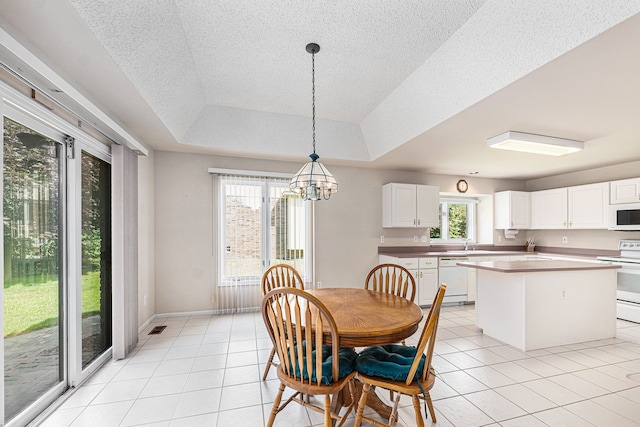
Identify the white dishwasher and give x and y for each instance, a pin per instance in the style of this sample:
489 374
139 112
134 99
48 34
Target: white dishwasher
455 277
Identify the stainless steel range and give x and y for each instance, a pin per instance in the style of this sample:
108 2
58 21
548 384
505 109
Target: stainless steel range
628 281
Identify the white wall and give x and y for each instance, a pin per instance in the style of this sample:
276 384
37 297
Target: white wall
348 227
184 232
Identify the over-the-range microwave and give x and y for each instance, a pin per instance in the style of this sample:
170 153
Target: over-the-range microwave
624 217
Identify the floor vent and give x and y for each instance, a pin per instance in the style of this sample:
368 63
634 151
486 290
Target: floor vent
157 330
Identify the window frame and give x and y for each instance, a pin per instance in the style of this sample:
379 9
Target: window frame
472 212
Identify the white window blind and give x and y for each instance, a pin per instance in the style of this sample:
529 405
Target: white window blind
260 223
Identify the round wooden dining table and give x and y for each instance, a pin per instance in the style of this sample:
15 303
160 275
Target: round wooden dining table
365 317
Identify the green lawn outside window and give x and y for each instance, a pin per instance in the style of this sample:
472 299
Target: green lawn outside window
20 300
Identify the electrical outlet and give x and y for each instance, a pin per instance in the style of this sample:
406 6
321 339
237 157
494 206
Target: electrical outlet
499 239
423 239
564 239
381 239
319 285
415 239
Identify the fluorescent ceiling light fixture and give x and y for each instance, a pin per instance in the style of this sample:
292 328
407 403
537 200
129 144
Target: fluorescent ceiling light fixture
538 144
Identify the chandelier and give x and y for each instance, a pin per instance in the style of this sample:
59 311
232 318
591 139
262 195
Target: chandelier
313 181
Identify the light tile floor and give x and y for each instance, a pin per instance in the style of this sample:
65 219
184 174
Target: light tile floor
207 370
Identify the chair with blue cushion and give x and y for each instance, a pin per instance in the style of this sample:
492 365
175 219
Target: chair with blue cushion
310 363
278 276
401 369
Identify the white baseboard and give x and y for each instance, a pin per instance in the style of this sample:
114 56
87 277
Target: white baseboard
192 313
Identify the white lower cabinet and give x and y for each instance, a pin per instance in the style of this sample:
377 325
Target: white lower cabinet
427 280
425 272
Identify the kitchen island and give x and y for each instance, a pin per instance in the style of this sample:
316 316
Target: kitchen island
545 303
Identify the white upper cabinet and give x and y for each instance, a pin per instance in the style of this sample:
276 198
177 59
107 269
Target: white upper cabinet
410 205
428 205
512 210
625 191
549 209
579 207
588 206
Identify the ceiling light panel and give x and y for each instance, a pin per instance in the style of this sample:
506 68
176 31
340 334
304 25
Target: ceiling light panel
537 144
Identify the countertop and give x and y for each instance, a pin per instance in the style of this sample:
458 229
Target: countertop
536 266
488 250
454 253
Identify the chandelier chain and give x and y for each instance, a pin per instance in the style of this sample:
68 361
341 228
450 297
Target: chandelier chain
313 98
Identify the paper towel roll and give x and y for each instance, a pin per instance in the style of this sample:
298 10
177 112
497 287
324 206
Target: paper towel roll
510 233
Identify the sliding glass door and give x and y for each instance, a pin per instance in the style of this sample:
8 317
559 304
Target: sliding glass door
96 257
57 263
34 350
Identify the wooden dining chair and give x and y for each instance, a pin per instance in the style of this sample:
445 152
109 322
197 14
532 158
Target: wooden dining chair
278 276
392 279
310 363
402 369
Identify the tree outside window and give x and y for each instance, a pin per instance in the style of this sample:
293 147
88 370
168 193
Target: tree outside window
456 221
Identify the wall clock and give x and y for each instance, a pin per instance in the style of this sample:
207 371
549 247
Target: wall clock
462 186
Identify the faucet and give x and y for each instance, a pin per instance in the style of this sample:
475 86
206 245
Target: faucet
466 244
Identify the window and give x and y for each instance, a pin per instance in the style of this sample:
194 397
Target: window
457 221
261 223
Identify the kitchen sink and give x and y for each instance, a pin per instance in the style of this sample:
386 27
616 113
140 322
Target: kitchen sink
470 252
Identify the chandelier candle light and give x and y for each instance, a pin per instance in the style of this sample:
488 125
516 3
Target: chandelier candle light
314 181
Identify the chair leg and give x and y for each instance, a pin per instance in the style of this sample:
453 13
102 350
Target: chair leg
327 411
350 407
394 410
432 411
361 404
276 404
416 407
269 363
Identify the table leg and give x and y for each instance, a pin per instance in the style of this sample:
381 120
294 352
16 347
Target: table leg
374 402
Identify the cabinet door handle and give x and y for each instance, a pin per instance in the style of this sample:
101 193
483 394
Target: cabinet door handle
414 221
418 221
421 274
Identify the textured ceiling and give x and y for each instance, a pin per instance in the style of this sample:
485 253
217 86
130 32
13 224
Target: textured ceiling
414 85
251 54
